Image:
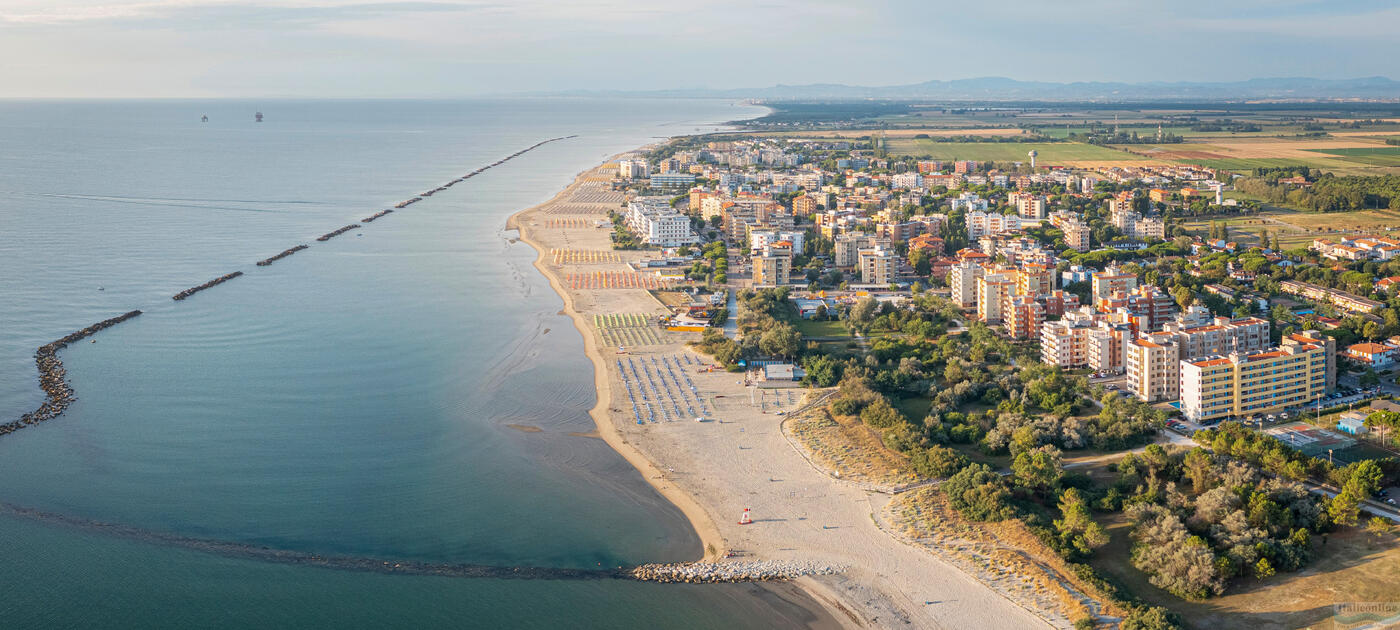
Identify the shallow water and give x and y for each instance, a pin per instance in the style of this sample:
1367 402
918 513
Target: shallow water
352 399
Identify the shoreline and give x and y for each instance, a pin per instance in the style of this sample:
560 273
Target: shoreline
741 459
711 542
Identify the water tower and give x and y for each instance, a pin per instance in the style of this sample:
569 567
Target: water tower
1033 153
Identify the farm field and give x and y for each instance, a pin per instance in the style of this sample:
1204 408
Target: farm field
1344 156
1070 153
1374 156
1296 229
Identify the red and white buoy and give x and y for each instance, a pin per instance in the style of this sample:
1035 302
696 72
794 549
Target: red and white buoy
744 519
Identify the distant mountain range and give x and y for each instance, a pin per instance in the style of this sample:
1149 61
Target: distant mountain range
1004 89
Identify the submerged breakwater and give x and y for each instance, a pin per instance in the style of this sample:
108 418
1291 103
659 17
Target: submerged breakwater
285 253
724 572
58 394
330 235
212 283
230 549
686 572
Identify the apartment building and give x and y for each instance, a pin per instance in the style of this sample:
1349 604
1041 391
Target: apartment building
981 224
632 169
656 223
994 289
1065 343
671 180
1023 315
805 205
877 265
1340 299
1029 206
1107 345
962 278
1035 279
773 267
1152 365
1132 224
846 248
1222 336
1076 235
1241 385
1148 308
900 231
759 239
1112 280
969 201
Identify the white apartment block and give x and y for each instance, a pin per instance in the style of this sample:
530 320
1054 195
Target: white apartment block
760 239
1222 336
906 180
970 202
632 169
655 223
981 224
1134 225
1065 343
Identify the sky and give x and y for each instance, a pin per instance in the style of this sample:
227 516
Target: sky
462 48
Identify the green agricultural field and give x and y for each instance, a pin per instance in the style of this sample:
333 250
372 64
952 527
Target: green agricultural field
1050 152
1244 165
1372 156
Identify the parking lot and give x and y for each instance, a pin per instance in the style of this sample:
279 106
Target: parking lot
1110 381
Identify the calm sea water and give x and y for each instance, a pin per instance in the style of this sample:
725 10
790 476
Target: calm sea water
353 399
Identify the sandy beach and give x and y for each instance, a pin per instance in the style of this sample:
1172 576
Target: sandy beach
740 457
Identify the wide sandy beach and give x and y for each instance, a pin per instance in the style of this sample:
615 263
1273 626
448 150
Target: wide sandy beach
739 458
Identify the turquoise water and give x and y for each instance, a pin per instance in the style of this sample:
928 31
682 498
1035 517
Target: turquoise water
350 400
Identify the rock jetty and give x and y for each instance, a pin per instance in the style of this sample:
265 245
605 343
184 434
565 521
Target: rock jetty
216 281
285 253
330 235
714 572
53 378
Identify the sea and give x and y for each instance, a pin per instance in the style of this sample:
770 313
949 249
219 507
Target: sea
406 394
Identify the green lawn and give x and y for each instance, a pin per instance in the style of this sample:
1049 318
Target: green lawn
1050 152
811 328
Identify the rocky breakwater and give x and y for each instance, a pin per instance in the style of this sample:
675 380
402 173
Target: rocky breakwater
330 235
53 379
215 282
715 572
285 253
376 215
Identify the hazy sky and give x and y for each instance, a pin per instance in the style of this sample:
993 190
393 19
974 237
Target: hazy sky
435 48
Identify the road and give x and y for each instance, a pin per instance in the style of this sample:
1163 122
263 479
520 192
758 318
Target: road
731 325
